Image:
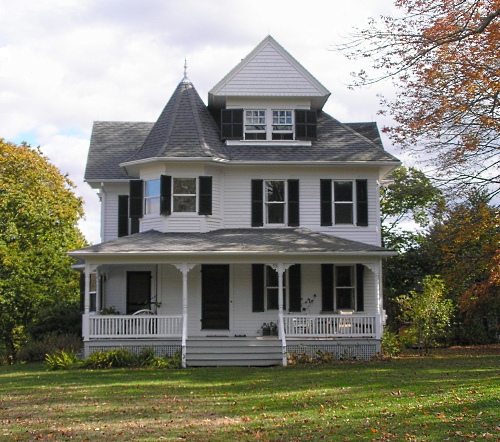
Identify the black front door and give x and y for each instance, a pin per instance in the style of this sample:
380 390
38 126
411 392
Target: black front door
215 297
138 291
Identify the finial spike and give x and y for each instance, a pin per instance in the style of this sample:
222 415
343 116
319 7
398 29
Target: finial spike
185 79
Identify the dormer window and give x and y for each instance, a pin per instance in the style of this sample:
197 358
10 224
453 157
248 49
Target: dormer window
255 125
268 124
282 125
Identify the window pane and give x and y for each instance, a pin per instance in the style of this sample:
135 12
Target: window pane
152 188
275 213
153 206
271 277
184 203
343 213
185 186
343 190
345 298
275 191
345 277
272 299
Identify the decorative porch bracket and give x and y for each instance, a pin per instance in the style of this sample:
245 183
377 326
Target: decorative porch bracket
184 268
376 269
280 268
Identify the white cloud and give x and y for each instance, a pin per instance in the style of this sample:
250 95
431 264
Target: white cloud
67 63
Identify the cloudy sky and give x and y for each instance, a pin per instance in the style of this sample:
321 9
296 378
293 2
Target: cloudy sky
67 63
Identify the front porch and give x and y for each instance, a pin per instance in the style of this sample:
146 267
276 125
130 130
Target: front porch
345 335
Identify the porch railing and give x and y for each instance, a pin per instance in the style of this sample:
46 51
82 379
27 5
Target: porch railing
121 326
322 326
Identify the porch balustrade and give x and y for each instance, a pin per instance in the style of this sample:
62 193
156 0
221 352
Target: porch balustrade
121 326
325 326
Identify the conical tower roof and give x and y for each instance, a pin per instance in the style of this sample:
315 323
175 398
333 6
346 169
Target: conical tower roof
184 129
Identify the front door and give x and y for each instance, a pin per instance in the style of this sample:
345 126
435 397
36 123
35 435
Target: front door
215 297
138 291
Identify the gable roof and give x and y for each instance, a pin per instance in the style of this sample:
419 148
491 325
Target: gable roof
268 71
229 243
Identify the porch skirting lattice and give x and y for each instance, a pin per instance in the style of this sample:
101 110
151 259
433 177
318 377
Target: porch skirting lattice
160 349
341 350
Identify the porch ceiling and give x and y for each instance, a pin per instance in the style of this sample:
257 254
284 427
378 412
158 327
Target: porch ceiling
236 245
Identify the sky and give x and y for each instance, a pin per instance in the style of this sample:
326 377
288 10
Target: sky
67 63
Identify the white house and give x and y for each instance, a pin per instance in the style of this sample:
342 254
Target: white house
258 208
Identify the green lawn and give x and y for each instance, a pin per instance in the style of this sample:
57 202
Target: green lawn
452 398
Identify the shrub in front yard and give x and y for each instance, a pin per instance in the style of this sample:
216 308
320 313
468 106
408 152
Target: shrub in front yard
36 350
121 357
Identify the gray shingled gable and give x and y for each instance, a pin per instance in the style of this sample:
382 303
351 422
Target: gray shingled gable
184 129
285 240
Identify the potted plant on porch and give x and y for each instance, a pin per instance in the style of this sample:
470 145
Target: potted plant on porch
269 329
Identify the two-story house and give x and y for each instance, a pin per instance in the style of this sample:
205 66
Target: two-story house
220 220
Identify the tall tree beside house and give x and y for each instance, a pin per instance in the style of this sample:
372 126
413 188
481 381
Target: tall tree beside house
443 58
463 247
38 224
408 206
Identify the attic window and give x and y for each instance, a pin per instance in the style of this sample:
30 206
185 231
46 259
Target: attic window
282 125
255 125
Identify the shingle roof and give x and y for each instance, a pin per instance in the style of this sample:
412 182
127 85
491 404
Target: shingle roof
336 142
111 143
184 129
231 241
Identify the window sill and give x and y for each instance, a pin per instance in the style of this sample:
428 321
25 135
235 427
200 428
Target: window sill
267 143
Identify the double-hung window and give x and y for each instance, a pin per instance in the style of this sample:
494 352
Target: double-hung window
184 194
345 287
255 124
152 197
282 125
343 202
275 201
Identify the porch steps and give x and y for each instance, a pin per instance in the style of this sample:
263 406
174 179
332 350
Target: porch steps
234 351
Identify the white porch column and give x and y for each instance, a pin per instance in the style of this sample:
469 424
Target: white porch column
280 269
376 269
86 301
184 268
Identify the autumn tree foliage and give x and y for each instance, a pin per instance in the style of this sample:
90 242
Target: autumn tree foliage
443 58
481 304
38 225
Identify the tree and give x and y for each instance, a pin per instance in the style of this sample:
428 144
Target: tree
427 314
443 58
481 304
408 206
462 244
410 198
38 225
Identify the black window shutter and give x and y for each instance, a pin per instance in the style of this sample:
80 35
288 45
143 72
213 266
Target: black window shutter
362 202
123 215
82 291
257 287
257 203
327 287
232 124
305 124
326 202
205 187
293 203
134 225
294 281
136 198
165 195
360 298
